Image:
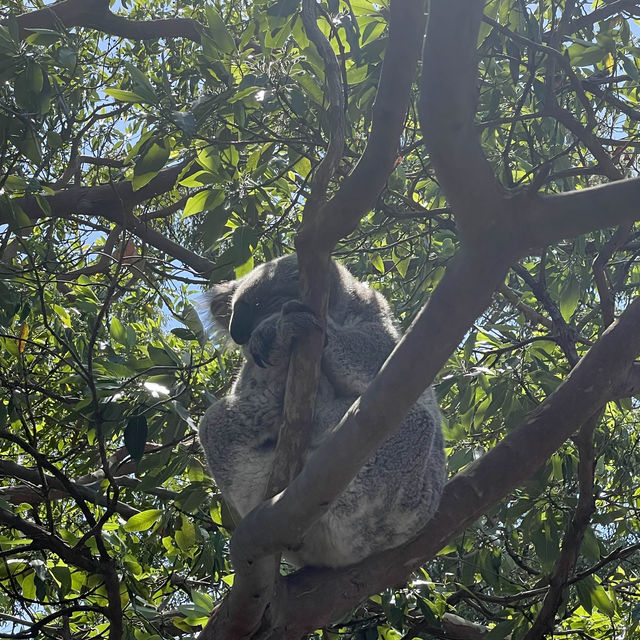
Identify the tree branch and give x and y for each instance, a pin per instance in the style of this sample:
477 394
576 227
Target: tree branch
529 312
304 366
359 191
547 219
114 202
77 557
448 100
33 496
602 13
95 14
566 561
334 113
600 276
311 600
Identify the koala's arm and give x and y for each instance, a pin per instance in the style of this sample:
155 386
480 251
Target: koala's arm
356 347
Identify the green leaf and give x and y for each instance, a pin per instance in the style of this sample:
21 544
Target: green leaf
403 265
6 41
185 121
30 147
245 240
28 585
209 158
186 535
198 179
143 520
590 548
303 167
192 498
62 576
150 163
153 159
244 93
67 57
135 437
141 84
63 314
630 68
244 268
581 56
15 183
222 39
500 631
203 201
591 593
601 600
377 262
125 96
117 331
184 334
191 318
213 226
159 356
569 297
202 600
45 37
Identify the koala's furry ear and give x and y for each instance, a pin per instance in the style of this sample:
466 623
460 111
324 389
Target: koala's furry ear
218 299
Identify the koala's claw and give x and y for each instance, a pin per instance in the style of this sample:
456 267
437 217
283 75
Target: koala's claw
295 306
298 318
258 360
261 344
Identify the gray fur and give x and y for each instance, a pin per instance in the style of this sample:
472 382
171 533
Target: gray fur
398 490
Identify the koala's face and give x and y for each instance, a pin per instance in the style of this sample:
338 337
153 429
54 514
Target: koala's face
255 296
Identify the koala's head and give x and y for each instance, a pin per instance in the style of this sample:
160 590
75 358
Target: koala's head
240 305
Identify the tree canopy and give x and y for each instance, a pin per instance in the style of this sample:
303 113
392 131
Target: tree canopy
482 176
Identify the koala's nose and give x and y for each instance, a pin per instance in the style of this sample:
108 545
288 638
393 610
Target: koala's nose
241 323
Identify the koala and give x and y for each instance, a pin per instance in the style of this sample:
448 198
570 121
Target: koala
397 491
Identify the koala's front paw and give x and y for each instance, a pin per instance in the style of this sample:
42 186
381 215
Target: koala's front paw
262 342
272 338
296 319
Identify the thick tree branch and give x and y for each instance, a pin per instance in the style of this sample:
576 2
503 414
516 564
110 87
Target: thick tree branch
546 219
95 14
448 99
359 191
310 593
282 521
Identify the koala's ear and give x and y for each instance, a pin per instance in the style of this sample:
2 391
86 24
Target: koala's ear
219 302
